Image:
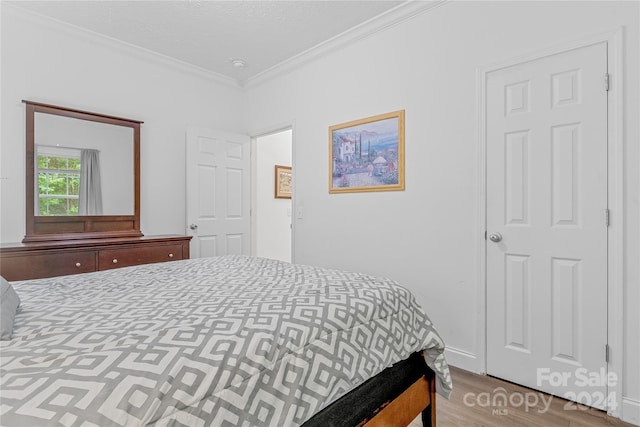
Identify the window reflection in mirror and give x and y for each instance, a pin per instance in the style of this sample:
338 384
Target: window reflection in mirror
58 181
83 167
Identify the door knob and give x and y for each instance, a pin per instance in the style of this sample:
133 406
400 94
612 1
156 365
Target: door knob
193 226
495 237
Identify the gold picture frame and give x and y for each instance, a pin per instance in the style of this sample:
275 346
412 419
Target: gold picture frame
367 154
283 182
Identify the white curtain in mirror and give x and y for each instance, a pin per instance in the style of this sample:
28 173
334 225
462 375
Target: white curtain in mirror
90 197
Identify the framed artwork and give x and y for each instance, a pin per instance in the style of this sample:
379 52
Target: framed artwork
367 154
283 182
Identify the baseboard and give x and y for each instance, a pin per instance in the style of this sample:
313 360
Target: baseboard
463 360
631 411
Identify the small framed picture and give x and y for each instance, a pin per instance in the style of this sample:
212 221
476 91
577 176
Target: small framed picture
283 182
367 154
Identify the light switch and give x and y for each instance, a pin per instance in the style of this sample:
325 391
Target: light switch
299 212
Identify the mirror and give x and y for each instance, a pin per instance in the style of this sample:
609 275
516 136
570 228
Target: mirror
82 174
60 145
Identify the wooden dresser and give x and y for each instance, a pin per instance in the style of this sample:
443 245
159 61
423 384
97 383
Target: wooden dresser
23 261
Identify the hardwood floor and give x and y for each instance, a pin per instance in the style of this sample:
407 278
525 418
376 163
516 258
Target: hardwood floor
474 403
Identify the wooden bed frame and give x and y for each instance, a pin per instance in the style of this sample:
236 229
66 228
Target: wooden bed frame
420 397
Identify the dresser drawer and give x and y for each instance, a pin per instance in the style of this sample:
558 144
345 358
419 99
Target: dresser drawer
143 254
35 265
35 260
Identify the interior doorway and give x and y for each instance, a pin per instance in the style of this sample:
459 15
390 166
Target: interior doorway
546 207
271 215
218 192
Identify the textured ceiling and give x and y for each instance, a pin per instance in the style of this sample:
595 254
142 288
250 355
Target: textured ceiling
211 34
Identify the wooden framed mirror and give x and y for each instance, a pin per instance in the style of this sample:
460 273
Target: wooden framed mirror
82 174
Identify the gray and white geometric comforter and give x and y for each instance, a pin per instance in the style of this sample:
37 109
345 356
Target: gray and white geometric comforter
226 341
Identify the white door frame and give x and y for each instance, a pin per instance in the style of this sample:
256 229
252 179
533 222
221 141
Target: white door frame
615 174
254 167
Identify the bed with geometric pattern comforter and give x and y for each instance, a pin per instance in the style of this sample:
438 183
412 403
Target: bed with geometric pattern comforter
224 341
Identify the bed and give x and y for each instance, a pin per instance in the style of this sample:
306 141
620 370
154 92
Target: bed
223 341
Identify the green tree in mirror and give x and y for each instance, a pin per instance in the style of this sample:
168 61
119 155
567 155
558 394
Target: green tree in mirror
58 185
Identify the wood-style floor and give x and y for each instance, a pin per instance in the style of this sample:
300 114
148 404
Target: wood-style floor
481 391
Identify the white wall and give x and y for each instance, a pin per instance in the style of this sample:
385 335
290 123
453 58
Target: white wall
429 237
272 216
47 62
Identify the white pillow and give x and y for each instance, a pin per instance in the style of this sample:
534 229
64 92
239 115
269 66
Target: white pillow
9 302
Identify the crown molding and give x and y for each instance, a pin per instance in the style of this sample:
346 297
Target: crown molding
392 17
136 51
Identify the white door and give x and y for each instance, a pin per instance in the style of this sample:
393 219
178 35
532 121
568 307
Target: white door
547 200
218 192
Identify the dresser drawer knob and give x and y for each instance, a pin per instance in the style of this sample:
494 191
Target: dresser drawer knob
115 260
170 255
78 264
